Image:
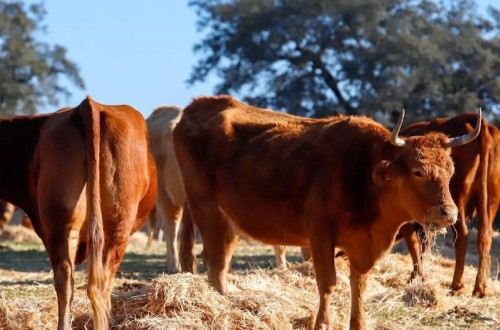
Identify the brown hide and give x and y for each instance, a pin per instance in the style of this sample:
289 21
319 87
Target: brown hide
75 169
475 188
287 180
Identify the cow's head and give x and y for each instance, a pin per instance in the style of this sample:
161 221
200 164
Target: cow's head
421 172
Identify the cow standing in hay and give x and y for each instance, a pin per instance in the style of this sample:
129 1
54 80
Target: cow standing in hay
475 188
171 196
342 182
87 181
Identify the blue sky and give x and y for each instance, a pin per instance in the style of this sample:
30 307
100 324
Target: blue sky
136 52
129 51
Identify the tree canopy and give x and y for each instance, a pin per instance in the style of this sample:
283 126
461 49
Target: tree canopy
321 57
30 70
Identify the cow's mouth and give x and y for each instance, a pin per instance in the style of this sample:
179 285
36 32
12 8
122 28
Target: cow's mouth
440 216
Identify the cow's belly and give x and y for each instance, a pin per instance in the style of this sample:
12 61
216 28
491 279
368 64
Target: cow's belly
270 222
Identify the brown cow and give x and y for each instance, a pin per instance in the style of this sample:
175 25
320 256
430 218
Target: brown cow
475 188
86 179
171 196
342 182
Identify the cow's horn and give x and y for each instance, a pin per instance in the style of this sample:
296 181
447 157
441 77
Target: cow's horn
398 142
461 140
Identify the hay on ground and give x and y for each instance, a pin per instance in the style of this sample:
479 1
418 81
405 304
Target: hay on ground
261 299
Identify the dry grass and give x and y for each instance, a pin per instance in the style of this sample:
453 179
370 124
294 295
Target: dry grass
258 298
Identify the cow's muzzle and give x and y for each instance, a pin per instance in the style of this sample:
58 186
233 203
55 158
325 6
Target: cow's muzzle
441 216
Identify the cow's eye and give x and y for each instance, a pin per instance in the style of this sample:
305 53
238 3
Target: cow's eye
417 173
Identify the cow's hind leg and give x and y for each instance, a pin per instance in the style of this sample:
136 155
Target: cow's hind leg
280 256
119 225
484 239
306 253
113 254
172 225
219 240
171 215
412 242
322 249
187 238
62 250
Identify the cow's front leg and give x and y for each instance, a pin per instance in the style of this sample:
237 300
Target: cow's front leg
358 286
322 250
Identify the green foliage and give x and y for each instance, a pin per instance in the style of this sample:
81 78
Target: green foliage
320 57
30 70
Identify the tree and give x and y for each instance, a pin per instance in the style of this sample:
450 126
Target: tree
30 70
321 57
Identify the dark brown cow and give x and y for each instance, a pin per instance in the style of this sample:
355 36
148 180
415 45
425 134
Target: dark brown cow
86 179
475 188
342 182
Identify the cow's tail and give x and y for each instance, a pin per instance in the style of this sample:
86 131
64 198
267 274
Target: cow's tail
97 290
484 222
482 206
187 259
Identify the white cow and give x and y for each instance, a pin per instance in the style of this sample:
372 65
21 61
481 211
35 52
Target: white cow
171 195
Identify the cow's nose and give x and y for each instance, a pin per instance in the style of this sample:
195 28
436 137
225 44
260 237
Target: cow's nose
444 211
449 212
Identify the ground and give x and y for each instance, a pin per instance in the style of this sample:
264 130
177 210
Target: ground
260 297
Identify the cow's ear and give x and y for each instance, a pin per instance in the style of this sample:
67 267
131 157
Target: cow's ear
383 172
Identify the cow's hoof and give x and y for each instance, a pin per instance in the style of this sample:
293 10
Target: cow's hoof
479 292
457 289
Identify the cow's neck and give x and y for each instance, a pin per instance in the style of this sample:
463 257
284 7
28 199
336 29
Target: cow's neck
378 237
18 140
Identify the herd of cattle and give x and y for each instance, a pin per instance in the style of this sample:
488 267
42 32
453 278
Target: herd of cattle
87 179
